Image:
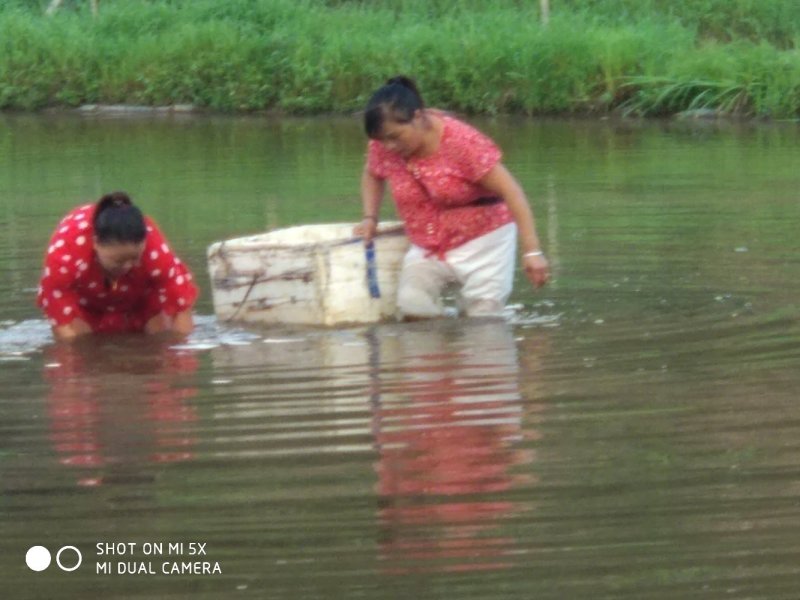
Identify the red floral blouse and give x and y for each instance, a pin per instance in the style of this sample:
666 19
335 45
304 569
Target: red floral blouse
74 284
435 195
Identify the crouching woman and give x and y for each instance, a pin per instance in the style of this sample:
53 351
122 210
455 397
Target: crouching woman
108 269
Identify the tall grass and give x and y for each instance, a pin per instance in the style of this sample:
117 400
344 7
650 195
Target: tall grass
308 56
737 78
775 21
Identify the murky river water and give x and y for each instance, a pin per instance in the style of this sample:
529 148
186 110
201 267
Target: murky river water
632 431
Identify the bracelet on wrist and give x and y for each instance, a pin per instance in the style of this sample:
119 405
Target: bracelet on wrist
533 253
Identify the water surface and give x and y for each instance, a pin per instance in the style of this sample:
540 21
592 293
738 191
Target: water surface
629 432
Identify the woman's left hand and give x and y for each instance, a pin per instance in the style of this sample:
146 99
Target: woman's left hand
366 229
537 269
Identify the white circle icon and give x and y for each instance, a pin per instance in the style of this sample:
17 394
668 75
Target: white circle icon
76 565
37 558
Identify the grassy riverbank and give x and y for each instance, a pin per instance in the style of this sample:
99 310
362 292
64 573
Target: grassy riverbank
649 57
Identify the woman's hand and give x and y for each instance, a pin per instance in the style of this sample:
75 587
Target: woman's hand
182 323
503 184
366 229
70 331
537 269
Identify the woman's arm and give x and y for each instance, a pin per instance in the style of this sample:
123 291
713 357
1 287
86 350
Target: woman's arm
372 190
72 330
182 323
500 181
174 282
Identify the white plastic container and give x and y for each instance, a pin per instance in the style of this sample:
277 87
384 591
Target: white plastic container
309 275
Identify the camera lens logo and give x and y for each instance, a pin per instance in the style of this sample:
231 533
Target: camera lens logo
38 558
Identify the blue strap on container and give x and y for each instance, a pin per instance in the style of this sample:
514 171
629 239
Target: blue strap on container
372 271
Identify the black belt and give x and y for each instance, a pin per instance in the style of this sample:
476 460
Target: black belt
486 201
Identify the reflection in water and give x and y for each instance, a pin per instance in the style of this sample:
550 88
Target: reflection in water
115 407
448 420
437 405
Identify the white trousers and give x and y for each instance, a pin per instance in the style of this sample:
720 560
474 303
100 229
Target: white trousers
483 269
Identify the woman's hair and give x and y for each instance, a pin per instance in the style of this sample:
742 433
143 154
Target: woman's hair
117 220
398 99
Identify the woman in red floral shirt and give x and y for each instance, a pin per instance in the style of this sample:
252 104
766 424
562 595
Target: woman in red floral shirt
108 269
461 207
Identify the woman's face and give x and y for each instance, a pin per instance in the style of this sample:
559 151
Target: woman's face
403 138
117 258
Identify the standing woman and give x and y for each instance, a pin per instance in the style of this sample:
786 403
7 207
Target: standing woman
108 269
461 207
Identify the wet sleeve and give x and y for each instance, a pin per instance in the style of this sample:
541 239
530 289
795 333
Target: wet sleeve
56 295
171 280
476 153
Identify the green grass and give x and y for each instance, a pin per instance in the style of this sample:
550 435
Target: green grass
649 57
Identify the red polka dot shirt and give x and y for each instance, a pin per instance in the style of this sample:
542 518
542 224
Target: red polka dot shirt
74 285
435 195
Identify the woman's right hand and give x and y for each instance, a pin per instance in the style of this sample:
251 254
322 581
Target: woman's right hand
536 268
366 229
